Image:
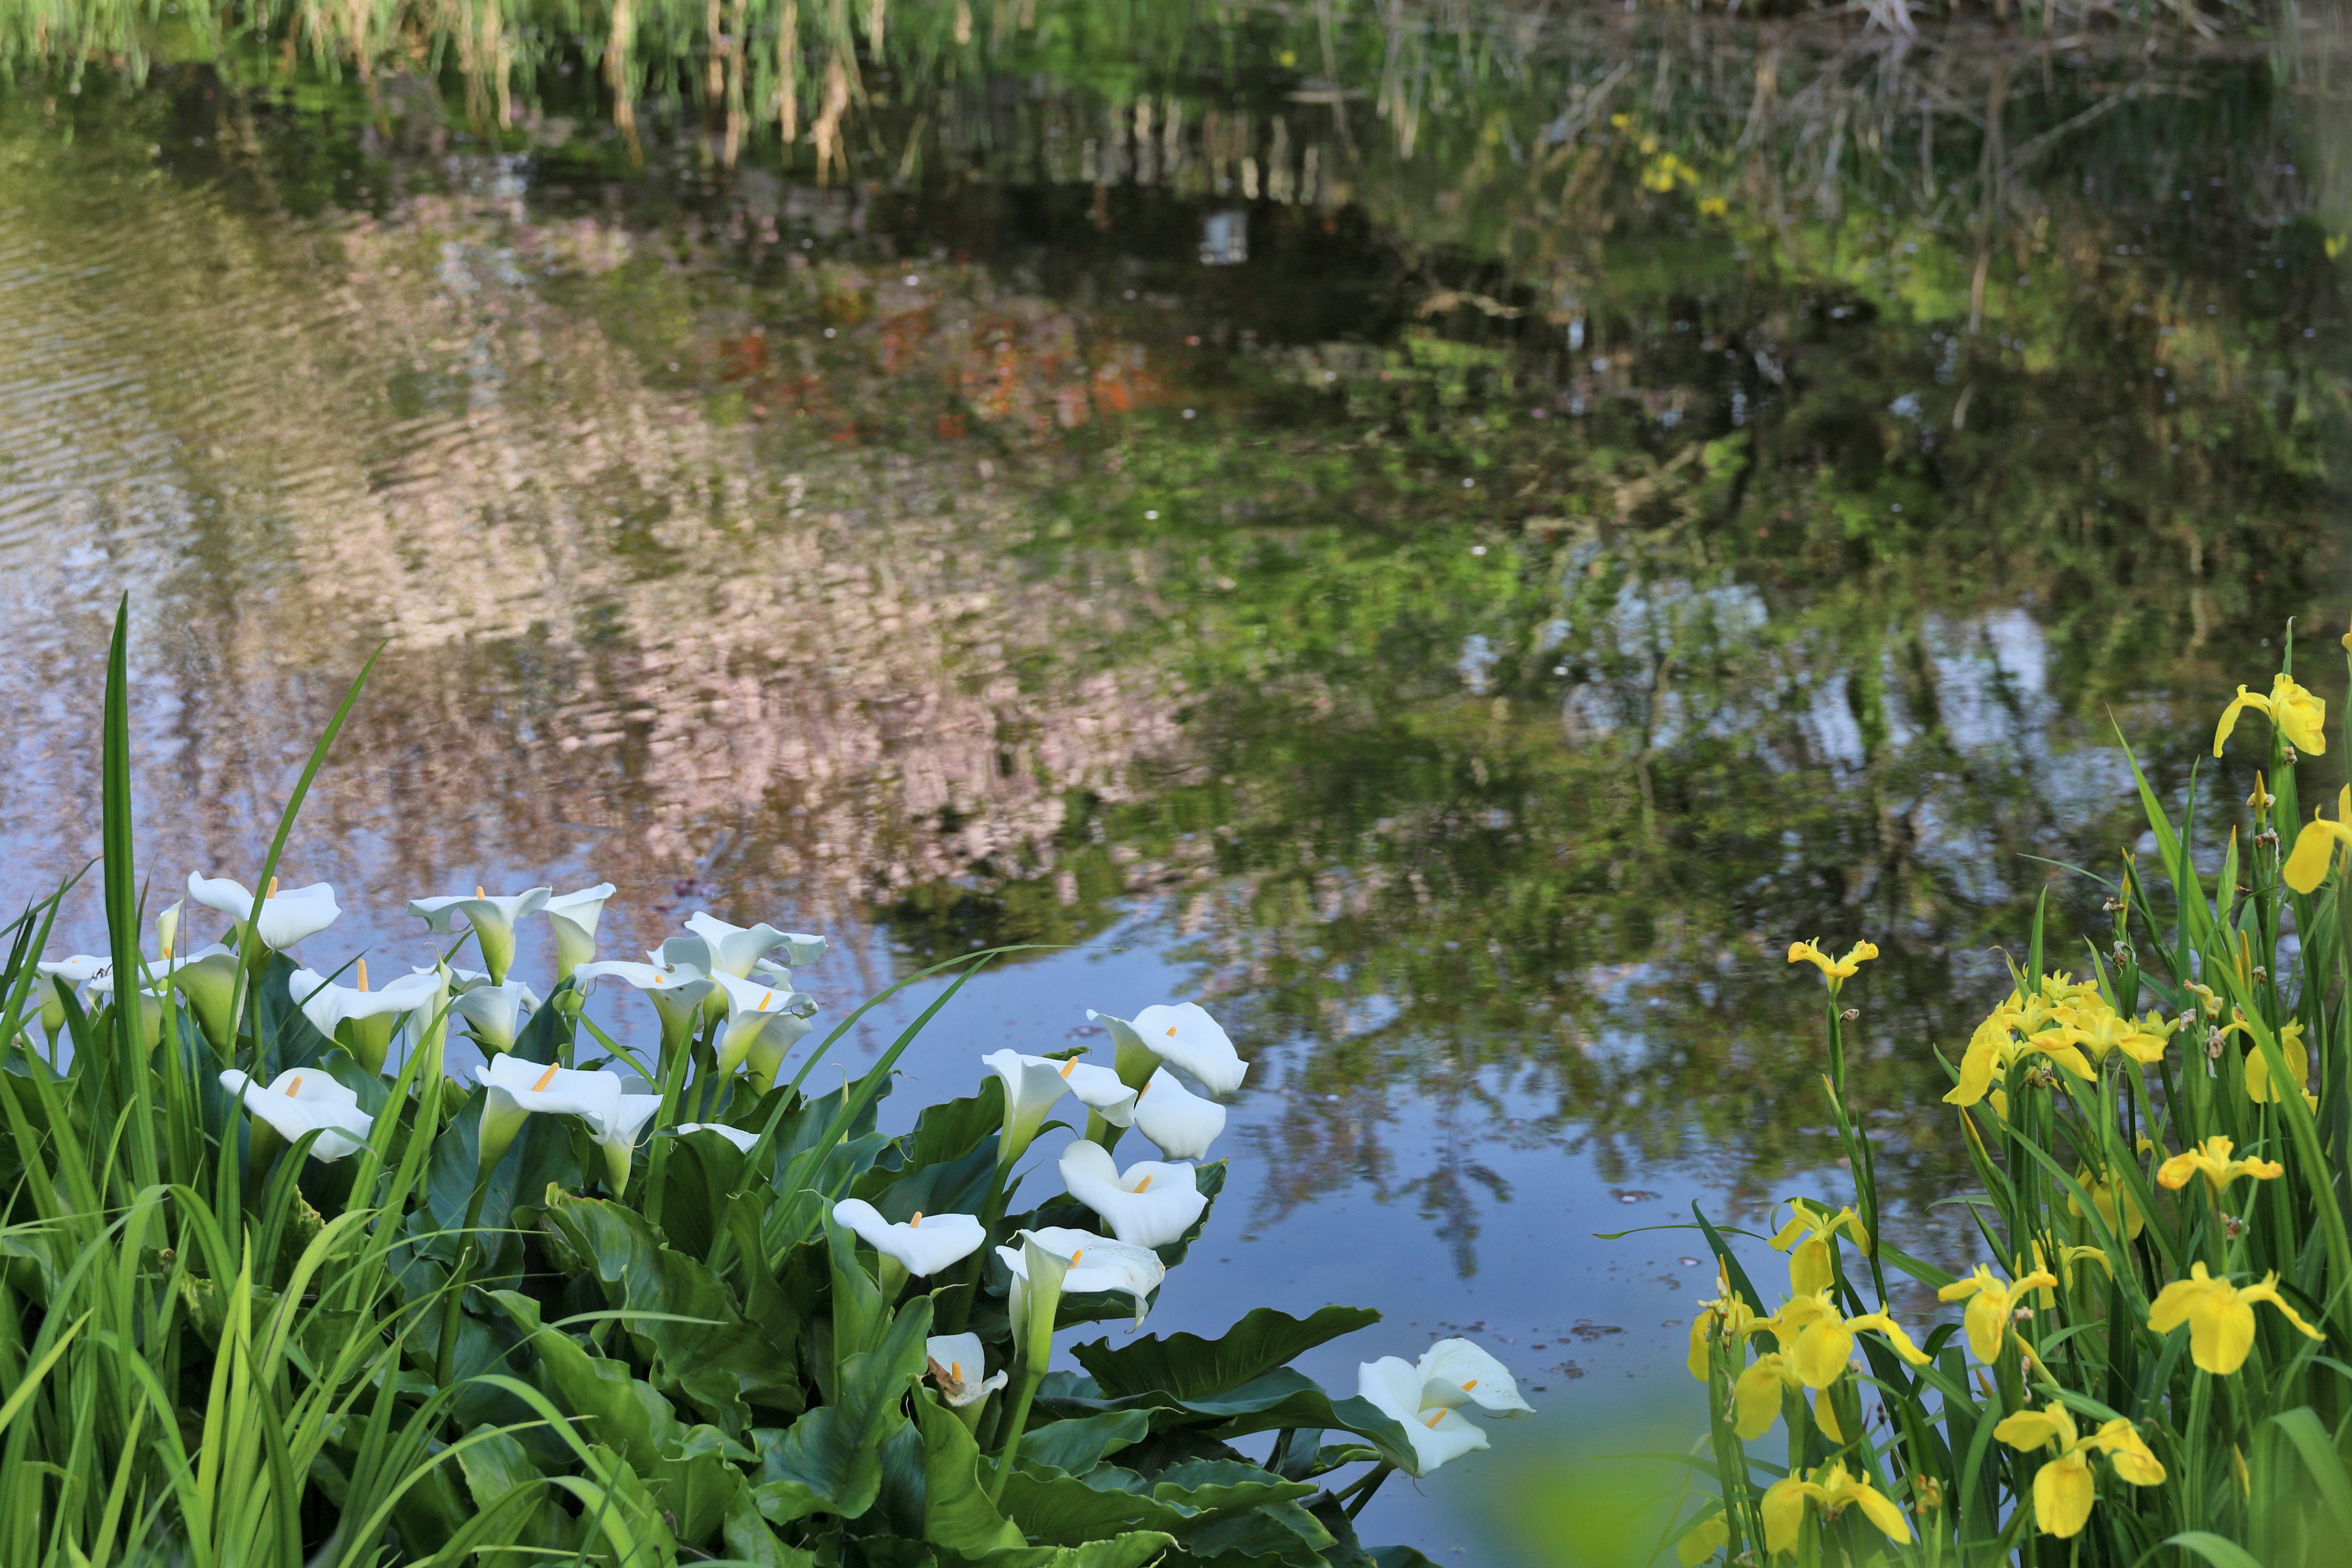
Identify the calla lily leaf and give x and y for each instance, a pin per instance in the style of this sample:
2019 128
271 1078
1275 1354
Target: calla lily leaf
1190 1367
1063 1510
1081 1442
829 1462
957 1512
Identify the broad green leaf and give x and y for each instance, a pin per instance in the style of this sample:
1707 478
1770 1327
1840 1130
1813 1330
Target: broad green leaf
1050 1506
829 1462
1280 1531
1134 1550
1206 1486
2220 1552
1081 1442
957 1512
1190 1367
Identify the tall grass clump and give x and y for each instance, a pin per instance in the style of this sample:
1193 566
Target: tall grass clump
2151 1364
277 1290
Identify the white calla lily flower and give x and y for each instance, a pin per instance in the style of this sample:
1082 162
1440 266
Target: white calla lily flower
494 1013
286 918
1183 1036
956 1363
1096 1264
1182 1122
167 927
1033 1085
923 1246
763 1022
357 1018
734 949
491 918
302 1100
1393 1385
1454 1372
573 916
1152 1203
676 991
621 1135
519 1089
740 1138
61 978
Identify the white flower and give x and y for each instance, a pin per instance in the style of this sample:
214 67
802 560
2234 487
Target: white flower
361 1020
620 1137
301 1101
1180 1122
1033 1085
79 970
923 1245
1097 1264
676 991
1454 1372
519 1089
286 918
763 1022
495 1012
1152 1204
956 1361
735 1135
1184 1036
573 916
491 918
734 949
1393 1385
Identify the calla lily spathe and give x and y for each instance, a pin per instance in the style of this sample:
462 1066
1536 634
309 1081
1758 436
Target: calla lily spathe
614 1118
763 1022
573 917
286 918
1096 1265
207 980
1182 1122
357 1018
1438 1433
739 1137
955 1362
1033 1085
1151 1203
1454 1372
301 1101
734 949
923 1246
496 1012
1183 1036
676 991
490 917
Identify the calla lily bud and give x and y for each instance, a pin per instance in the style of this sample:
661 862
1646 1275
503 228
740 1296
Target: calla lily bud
494 1013
1037 1299
491 919
167 928
573 917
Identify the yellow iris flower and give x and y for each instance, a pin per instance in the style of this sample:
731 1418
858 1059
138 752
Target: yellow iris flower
1835 969
1820 1338
2063 1490
2259 1088
2295 712
2114 1203
2315 847
1993 1047
2221 1317
1990 1316
1834 1490
1812 1231
2100 1030
1727 1315
2212 1158
1702 1540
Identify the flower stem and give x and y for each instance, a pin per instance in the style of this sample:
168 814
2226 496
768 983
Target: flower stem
1362 1491
1015 1420
446 1355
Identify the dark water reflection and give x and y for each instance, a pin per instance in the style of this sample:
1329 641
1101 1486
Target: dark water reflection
1359 553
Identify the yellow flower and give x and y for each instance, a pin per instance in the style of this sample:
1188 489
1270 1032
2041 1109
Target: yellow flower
2212 1158
2113 1203
1835 1491
2099 1030
2221 1317
1713 207
2259 1088
1702 1540
1836 969
2315 847
1820 1338
1809 1265
1621 120
1989 1317
1995 1046
2206 995
2063 1490
2296 713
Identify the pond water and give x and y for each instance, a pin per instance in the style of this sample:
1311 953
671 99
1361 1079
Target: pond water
1449 537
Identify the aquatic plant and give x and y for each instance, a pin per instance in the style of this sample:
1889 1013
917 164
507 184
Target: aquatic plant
2149 1362
276 1287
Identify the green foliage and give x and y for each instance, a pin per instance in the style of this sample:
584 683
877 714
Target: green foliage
218 1349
